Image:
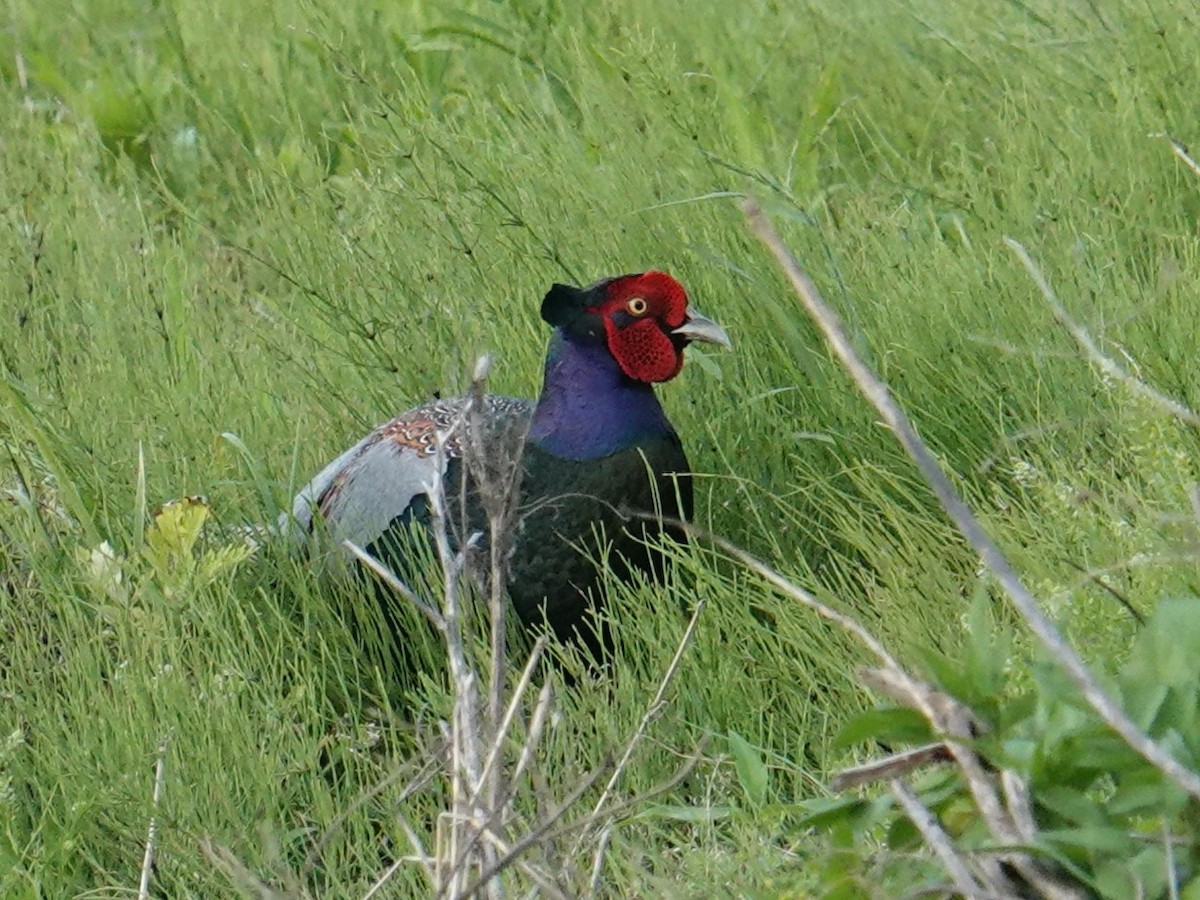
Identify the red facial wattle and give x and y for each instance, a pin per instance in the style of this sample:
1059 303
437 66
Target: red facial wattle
639 339
643 351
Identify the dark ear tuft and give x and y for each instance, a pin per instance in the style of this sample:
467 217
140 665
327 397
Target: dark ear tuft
563 304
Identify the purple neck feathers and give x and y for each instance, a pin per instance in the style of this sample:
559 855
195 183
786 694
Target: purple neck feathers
588 407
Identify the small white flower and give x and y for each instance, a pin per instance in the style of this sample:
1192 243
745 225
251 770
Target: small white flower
185 139
1024 472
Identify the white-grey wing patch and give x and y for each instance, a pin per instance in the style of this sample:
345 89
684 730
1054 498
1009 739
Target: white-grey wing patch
299 524
374 489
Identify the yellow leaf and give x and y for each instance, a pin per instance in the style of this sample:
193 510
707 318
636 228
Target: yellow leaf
174 531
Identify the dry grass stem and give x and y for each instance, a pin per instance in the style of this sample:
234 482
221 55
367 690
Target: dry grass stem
388 577
788 588
653 710
614 812
505 723
1098 580
239 873
891 767
1098 357
939 842
880 396
160 768
1169 861
945 714
466 742
1181 152
1097 574
537 724
1020 804
427 862
598 859
428 770
543 828
383 879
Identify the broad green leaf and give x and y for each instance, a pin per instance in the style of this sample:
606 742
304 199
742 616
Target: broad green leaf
751 771
1099 838
1167 649
1147 793
1145 701
947 672
1114 882
1072 805
902 834
1105 751
958 815
1142 876
823 812
988 647
899 725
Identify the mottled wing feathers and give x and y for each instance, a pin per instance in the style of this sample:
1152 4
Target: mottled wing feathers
364 490
417 429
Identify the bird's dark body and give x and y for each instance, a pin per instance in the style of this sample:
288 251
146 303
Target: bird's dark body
547 573
570 514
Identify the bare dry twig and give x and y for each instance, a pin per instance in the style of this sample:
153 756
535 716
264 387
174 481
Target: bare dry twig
498 476
465 737
1098 357
1181 152
960 725
654 709
939 842
891 767
160 767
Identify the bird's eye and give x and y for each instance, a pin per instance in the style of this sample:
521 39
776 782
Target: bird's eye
637 306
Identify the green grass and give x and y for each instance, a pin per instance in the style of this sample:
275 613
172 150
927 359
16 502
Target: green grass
284 222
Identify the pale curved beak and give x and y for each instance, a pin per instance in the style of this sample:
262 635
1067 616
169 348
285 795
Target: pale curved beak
701 328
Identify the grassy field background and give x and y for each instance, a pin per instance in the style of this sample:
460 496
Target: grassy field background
233 236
